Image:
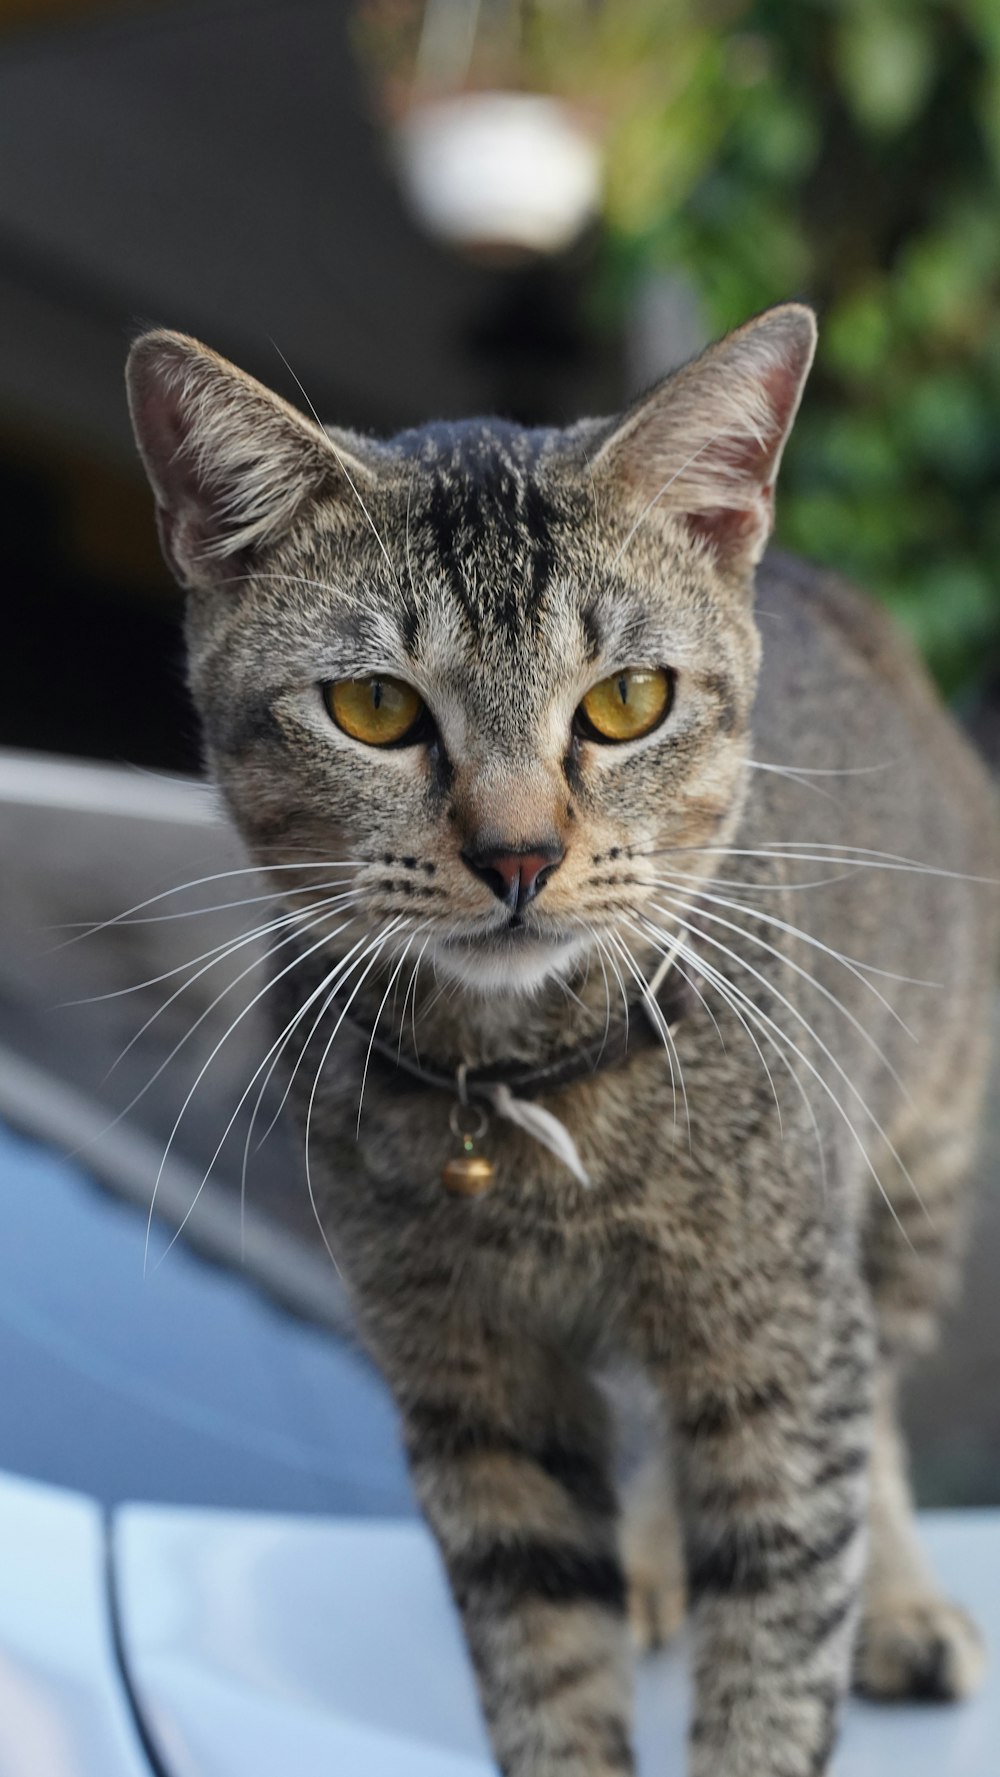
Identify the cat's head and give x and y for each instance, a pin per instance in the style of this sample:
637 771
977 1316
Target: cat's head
493 672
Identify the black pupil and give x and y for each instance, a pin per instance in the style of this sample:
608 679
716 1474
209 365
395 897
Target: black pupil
377 693
623 688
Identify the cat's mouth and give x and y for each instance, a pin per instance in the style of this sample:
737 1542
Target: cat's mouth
515 957
514 932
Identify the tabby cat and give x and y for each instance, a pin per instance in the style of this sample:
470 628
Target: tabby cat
635 966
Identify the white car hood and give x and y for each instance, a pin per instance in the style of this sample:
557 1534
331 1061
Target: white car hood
223 1644
259 1644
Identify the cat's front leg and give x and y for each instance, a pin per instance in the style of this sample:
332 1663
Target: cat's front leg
508 1449
773 1452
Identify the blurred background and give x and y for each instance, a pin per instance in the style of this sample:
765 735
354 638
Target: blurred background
412 208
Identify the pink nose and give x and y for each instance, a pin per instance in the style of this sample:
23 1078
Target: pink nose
515 877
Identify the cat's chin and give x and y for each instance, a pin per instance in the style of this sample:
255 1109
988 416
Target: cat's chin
500 966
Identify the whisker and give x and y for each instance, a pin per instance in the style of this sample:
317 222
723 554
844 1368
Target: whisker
336 975
178 1046
410 990
226 947
332 977
770 988
291 923
606 947
371 1044
273 1056
663 1030
792 776
854 966
599 949
826 770
822 853
731 996
662 943
783 887
152 919
246 1010
413 1002
199 882
695 962
395 925
761 943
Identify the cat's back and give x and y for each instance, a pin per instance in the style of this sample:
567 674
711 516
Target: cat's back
845 701
867 802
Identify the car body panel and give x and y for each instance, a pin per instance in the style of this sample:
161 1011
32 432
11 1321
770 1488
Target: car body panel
64 1709
262 1643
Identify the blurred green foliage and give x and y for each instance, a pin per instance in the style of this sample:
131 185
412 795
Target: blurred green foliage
847 151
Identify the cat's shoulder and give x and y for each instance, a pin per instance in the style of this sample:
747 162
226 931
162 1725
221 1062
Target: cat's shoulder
820 629
807 601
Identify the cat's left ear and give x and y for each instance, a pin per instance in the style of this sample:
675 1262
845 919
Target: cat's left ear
706 444
231 464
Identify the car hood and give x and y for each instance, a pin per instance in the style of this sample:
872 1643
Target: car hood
171 1642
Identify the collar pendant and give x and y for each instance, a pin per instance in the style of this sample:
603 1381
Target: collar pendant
469 1174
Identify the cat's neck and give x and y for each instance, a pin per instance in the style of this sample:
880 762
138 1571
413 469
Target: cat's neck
451 1024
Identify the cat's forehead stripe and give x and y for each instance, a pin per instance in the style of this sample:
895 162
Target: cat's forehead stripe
488 519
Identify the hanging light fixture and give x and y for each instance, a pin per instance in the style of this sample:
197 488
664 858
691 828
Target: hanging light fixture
488 163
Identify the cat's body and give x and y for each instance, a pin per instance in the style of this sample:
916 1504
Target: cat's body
774 1201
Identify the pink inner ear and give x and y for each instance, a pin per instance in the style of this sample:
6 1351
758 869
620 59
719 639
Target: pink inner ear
731 530
185 517
753 461
160 429
735 531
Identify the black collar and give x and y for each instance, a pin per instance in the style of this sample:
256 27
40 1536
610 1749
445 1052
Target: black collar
640 1028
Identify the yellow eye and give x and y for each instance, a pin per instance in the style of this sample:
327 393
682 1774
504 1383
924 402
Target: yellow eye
629 704
377 711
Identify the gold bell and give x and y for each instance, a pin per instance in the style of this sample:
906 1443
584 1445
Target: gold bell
469 1174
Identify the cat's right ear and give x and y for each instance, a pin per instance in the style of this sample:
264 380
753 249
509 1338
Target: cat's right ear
706 444
230 463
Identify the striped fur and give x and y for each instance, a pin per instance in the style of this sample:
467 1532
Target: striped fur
777 1205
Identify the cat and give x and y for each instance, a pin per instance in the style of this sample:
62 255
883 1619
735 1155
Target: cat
635 990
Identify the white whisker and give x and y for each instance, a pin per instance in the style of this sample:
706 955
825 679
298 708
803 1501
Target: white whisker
662 942
386 933
663 1031
331 983
789 773
189 1033
199 882
338 972
599 949
371 1044
219 952
825 770
860 970
413 1001
731 996
769 987
246 1010
853 858
290 924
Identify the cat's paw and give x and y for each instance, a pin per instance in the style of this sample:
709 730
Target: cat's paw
924 1649
656 1609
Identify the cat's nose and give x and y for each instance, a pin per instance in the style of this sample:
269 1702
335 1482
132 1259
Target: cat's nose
515 877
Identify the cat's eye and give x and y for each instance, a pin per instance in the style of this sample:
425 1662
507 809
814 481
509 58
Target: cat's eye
380 711
627 705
